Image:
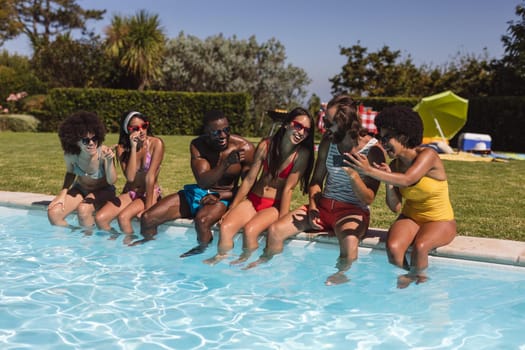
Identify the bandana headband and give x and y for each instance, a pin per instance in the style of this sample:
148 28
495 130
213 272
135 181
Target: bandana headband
128 118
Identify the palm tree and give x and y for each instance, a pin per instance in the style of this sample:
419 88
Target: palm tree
137 43
115 34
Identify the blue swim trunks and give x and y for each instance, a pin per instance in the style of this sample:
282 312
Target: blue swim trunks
194 194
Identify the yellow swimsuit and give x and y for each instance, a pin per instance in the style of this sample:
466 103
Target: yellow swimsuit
427 201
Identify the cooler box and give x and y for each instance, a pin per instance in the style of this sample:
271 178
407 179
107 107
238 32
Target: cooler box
471 142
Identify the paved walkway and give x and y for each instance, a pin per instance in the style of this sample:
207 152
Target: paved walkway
467 248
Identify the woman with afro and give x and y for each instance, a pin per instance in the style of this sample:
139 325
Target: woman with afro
90 171
416 186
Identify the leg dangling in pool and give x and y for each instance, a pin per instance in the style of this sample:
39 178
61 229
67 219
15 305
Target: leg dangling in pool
196 250
405 280
343 264
141 241
215 259
246 253
113 234
337 278
128 239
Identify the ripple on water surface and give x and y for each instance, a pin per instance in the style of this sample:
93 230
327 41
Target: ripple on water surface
60 289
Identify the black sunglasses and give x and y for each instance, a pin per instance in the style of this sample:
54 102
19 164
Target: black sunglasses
384 139
87 140
217 133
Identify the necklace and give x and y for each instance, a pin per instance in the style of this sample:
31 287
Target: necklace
95 174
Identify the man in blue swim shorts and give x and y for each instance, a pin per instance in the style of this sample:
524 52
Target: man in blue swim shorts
218 160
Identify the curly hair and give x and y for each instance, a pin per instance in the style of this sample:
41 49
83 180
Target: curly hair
77 126
346 117
123 139
404 122
308 143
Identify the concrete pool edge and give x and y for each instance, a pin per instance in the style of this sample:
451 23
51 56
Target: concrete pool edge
490 250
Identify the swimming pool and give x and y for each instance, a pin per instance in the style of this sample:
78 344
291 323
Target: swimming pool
60 289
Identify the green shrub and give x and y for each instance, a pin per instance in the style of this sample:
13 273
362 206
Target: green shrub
171 113
18 123
16 77
33 102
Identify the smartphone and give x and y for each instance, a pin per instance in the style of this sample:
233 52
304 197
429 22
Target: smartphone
338 160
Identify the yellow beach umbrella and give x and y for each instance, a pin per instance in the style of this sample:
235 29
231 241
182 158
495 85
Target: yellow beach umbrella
443 114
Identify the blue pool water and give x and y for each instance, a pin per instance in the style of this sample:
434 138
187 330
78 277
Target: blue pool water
60 289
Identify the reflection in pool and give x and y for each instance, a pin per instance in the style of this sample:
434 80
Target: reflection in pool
60 289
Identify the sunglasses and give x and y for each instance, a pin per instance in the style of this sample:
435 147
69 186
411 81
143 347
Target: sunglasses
385 138
87 140
298 126
217 133
144 126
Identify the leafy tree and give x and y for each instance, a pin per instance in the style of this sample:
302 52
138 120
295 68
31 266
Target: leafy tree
16 75
137 43
42 20
8 29
510 70
351 79
467 75
380 73
384 73
231 65
514 42
66 62
213 64
314 104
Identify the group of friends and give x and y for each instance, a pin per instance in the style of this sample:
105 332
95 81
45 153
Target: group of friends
249 189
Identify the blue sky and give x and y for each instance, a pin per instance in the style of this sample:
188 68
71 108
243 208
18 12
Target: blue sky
431 32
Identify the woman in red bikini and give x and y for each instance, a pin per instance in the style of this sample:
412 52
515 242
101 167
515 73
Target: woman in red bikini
140 155
281 161
339 196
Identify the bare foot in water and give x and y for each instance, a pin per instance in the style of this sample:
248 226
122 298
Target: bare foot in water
244 256
128 239
404 281
421 279
216 259
140 241
113 234
195 250
337 278
256 263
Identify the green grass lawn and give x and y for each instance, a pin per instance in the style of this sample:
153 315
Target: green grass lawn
488 198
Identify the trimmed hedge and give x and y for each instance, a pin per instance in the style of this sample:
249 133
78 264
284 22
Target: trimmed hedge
171 113
503 118
18 123
378 103
180 113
